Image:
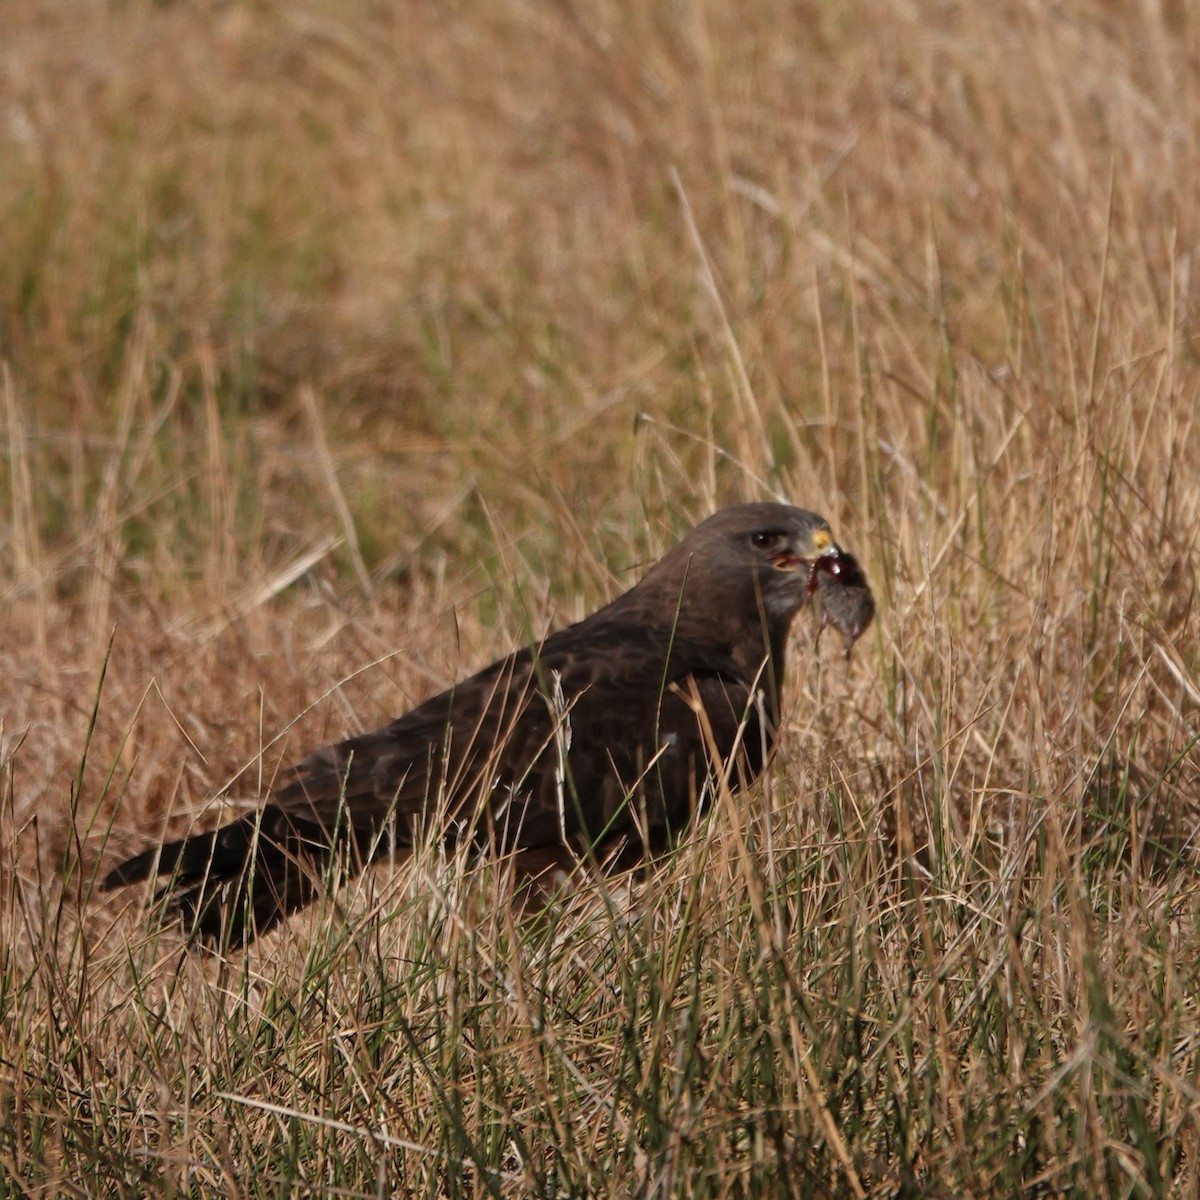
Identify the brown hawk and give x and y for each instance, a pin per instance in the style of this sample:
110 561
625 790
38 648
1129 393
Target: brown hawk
601 741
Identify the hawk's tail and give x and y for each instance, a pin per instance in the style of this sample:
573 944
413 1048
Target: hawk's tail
235 883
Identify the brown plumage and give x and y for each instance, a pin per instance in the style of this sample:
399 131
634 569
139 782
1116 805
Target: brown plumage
600 741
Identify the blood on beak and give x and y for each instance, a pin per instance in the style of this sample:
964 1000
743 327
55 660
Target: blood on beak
828 561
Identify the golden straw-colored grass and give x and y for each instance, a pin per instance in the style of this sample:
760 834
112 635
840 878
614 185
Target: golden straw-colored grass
345 345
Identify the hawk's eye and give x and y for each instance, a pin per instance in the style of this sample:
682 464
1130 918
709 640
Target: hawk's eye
768 539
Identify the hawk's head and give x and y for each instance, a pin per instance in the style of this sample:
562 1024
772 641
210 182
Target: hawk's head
747 568
764 555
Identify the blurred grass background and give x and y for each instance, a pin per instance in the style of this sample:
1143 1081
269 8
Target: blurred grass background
344 345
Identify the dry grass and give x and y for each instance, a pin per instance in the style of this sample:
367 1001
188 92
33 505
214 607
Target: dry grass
343 344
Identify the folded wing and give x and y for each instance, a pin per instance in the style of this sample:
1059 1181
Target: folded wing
603 740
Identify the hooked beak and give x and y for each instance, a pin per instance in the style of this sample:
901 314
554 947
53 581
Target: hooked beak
825 557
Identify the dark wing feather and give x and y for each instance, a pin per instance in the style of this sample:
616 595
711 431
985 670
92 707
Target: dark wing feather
592 739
